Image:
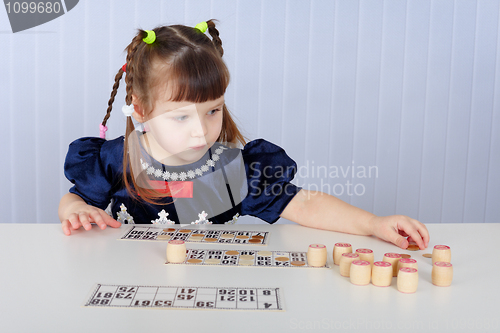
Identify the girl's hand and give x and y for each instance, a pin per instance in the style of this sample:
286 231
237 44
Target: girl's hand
84 216
400 230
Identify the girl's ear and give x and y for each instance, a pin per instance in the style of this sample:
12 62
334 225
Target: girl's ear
138 111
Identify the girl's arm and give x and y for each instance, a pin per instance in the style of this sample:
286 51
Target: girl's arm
75 213
323 211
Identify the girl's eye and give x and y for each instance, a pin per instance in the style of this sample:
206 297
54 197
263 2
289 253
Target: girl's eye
213 111
181 118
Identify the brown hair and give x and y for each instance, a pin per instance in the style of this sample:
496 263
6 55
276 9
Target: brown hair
186 58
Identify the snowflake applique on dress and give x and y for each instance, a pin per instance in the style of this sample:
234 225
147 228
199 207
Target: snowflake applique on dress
163 218
124 216
167 176
202 219
235 218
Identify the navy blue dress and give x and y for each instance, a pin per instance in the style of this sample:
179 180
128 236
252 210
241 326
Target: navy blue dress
225 184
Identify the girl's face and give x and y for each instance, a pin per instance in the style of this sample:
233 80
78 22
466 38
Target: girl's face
180 133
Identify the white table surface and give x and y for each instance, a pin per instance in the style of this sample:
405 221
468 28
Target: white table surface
46 277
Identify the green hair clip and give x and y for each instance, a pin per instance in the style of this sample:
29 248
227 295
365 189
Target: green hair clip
150 38
202 26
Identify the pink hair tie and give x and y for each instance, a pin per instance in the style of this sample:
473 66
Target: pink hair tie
102 131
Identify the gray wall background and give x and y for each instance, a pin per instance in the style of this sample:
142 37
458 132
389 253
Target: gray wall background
408 90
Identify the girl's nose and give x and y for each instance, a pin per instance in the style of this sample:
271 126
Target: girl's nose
199 128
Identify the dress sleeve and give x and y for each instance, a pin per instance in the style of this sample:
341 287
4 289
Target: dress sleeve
91 165
269 172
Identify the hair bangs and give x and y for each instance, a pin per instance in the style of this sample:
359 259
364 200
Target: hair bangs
198 78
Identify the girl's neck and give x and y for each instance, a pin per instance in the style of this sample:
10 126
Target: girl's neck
152 147
156 151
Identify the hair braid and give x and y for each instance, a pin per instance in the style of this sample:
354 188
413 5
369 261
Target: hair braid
131 51
215 36
118 77
129 79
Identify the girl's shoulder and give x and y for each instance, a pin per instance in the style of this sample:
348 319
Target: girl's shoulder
89 147
261 146
269 172
259 150
91 153
97 144
265 153
94 166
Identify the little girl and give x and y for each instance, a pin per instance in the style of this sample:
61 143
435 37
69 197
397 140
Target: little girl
181 163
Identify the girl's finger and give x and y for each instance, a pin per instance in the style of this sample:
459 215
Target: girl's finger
75 222
415 236
97 218
110 221
66 227
84 220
